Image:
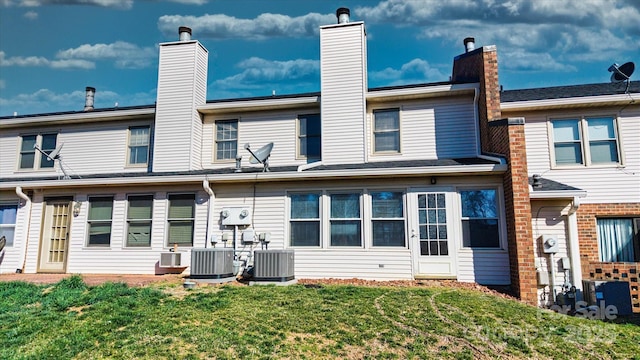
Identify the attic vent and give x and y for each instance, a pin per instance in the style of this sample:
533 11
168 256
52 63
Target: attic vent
185 33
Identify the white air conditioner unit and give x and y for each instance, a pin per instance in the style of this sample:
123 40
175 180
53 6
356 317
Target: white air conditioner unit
211 263
170 259
273 265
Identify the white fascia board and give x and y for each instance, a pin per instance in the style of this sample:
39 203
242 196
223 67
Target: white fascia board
484 169
80 117
421 91
603 100
259 104
557 194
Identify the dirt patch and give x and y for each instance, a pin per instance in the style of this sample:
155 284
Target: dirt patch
95 279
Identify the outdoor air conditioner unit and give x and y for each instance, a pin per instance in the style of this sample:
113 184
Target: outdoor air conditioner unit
211 263
273 265
170 259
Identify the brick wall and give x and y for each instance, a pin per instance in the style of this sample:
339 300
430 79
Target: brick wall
506 138
592 268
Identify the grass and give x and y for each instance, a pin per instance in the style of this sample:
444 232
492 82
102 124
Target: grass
71 320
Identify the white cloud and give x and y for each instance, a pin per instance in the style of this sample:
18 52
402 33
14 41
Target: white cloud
31 15
118 4
557 32
38 61
415 71
220 26
126 55
257 72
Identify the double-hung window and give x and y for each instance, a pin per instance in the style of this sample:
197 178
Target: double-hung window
226 139
30 158
304 220
619 239
99 221
8 214
585 141
387 218
181 219
309 137
139 145
345 221
386 131
139 214
480 222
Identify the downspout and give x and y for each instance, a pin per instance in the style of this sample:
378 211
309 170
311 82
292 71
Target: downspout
574 248
500 160
27 202
207 188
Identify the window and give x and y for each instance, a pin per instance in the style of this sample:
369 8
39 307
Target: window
480 223
305 219
99 221
139 145
618 239
386 130
345 222
29 158
387 222
432 216
181 219
585 141
309 144
226 139
139 220
8 214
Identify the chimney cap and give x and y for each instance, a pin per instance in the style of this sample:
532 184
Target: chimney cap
186 29
343 14
184 33
90 89
469 44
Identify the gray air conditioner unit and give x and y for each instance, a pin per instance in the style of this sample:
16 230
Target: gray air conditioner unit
273 265
211 263
170 259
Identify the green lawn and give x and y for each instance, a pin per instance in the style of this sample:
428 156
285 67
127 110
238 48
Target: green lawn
71 320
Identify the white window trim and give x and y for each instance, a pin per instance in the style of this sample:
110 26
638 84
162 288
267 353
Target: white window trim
17 205
584 142
329 218
125 238
373 132
167 219
215 141
365 214
88 222
128 152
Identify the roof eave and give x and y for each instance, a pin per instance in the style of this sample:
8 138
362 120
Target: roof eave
574 102
557 194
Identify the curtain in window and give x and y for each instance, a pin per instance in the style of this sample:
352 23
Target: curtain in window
615 240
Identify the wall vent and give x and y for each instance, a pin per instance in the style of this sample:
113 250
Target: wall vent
170 259
273 265
211 263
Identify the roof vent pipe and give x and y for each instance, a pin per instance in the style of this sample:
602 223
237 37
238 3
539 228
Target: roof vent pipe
88 99
343 15
185 33
469 44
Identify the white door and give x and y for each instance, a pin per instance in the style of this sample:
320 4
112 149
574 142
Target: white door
433 248
55 237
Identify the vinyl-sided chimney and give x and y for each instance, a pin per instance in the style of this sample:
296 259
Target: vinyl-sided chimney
182 87
343 85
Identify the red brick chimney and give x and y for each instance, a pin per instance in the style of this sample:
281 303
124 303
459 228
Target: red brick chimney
503 137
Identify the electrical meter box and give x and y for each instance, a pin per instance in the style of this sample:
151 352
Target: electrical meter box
550 244
237 215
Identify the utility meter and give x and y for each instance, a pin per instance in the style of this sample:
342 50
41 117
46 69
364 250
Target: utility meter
549 244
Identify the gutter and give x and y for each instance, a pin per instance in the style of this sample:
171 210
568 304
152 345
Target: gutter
27 203
476 98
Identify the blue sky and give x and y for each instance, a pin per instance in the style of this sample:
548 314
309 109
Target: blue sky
50 50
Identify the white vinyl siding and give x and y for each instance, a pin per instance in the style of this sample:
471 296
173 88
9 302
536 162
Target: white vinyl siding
343 83
181 88
597 179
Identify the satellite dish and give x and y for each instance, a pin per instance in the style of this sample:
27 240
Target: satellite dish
53 156
621 73
261 156
55 153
